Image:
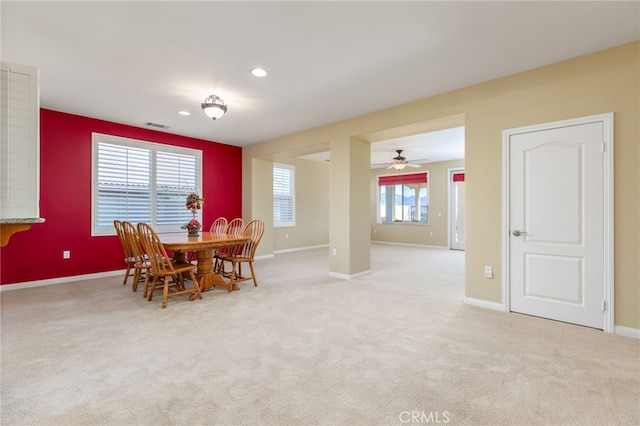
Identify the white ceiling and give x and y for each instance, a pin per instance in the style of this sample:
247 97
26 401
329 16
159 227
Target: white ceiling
135 62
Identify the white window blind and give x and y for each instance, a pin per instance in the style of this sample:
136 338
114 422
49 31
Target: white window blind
139 181
284 205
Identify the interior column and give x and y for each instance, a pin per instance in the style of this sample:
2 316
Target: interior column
349 210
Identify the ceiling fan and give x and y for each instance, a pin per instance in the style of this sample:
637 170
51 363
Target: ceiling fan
401 162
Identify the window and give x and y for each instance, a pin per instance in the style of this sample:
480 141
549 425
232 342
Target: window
403 198
284 195
141 181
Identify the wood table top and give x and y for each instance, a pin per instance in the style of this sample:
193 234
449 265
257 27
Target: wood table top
181 240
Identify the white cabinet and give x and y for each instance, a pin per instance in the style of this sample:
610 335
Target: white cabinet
19 142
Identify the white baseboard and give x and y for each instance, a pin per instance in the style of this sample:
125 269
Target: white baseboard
60 280
264 256
348 277
618 329
484 304
627 331
291 250
410 245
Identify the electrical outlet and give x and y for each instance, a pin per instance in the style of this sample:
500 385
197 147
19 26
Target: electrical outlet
488 272
286 236
335 252
66 254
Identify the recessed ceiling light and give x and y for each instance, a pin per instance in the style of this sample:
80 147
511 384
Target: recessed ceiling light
184 113
259 72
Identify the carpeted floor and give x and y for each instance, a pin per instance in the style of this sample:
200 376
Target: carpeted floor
394 347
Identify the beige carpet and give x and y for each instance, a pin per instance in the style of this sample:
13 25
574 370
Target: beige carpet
394 347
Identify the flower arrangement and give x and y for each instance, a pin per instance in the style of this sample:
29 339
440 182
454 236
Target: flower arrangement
193 203
192 227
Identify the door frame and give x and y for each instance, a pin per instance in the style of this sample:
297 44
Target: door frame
607 147
450 173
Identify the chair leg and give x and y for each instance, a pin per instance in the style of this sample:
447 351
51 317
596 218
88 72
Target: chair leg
165 294
136 279
146 283
232 276
153 287
253 274
196 285
126 274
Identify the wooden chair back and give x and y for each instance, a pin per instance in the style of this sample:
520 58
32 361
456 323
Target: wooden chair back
254 230
141 262
128 256
160 261
235 227
219 226
120 232
130 234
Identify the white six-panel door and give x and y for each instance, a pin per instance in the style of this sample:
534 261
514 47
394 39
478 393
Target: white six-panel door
556 225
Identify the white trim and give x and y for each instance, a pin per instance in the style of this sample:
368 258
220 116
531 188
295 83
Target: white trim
450 172
607 120
409 245
400 173
291 250
292 169
264 256
484 304
627 331
349 277
61 280
153 148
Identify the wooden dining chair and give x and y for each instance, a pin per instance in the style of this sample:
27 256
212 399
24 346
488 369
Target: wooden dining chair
234 227
163 268
245 254
128 256
142 265
219 226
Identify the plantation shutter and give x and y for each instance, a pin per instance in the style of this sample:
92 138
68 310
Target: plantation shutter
176 174
19 142
138 181
124 184
283 195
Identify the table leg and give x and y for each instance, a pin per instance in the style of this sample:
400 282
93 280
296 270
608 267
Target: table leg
206 276
179 257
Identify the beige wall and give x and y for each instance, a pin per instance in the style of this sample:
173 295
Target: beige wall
606 81
435 233
312 208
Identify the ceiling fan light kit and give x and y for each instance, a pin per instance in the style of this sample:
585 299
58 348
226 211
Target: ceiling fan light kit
214 107
401 162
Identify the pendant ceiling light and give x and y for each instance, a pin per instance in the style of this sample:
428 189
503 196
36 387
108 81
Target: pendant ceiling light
214 107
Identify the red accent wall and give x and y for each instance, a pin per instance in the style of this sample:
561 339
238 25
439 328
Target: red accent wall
65 198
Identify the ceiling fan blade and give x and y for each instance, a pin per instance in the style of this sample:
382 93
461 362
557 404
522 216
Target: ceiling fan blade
413 165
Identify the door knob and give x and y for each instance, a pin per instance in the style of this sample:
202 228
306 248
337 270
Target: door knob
517 233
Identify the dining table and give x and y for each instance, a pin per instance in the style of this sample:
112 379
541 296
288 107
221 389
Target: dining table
204 245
